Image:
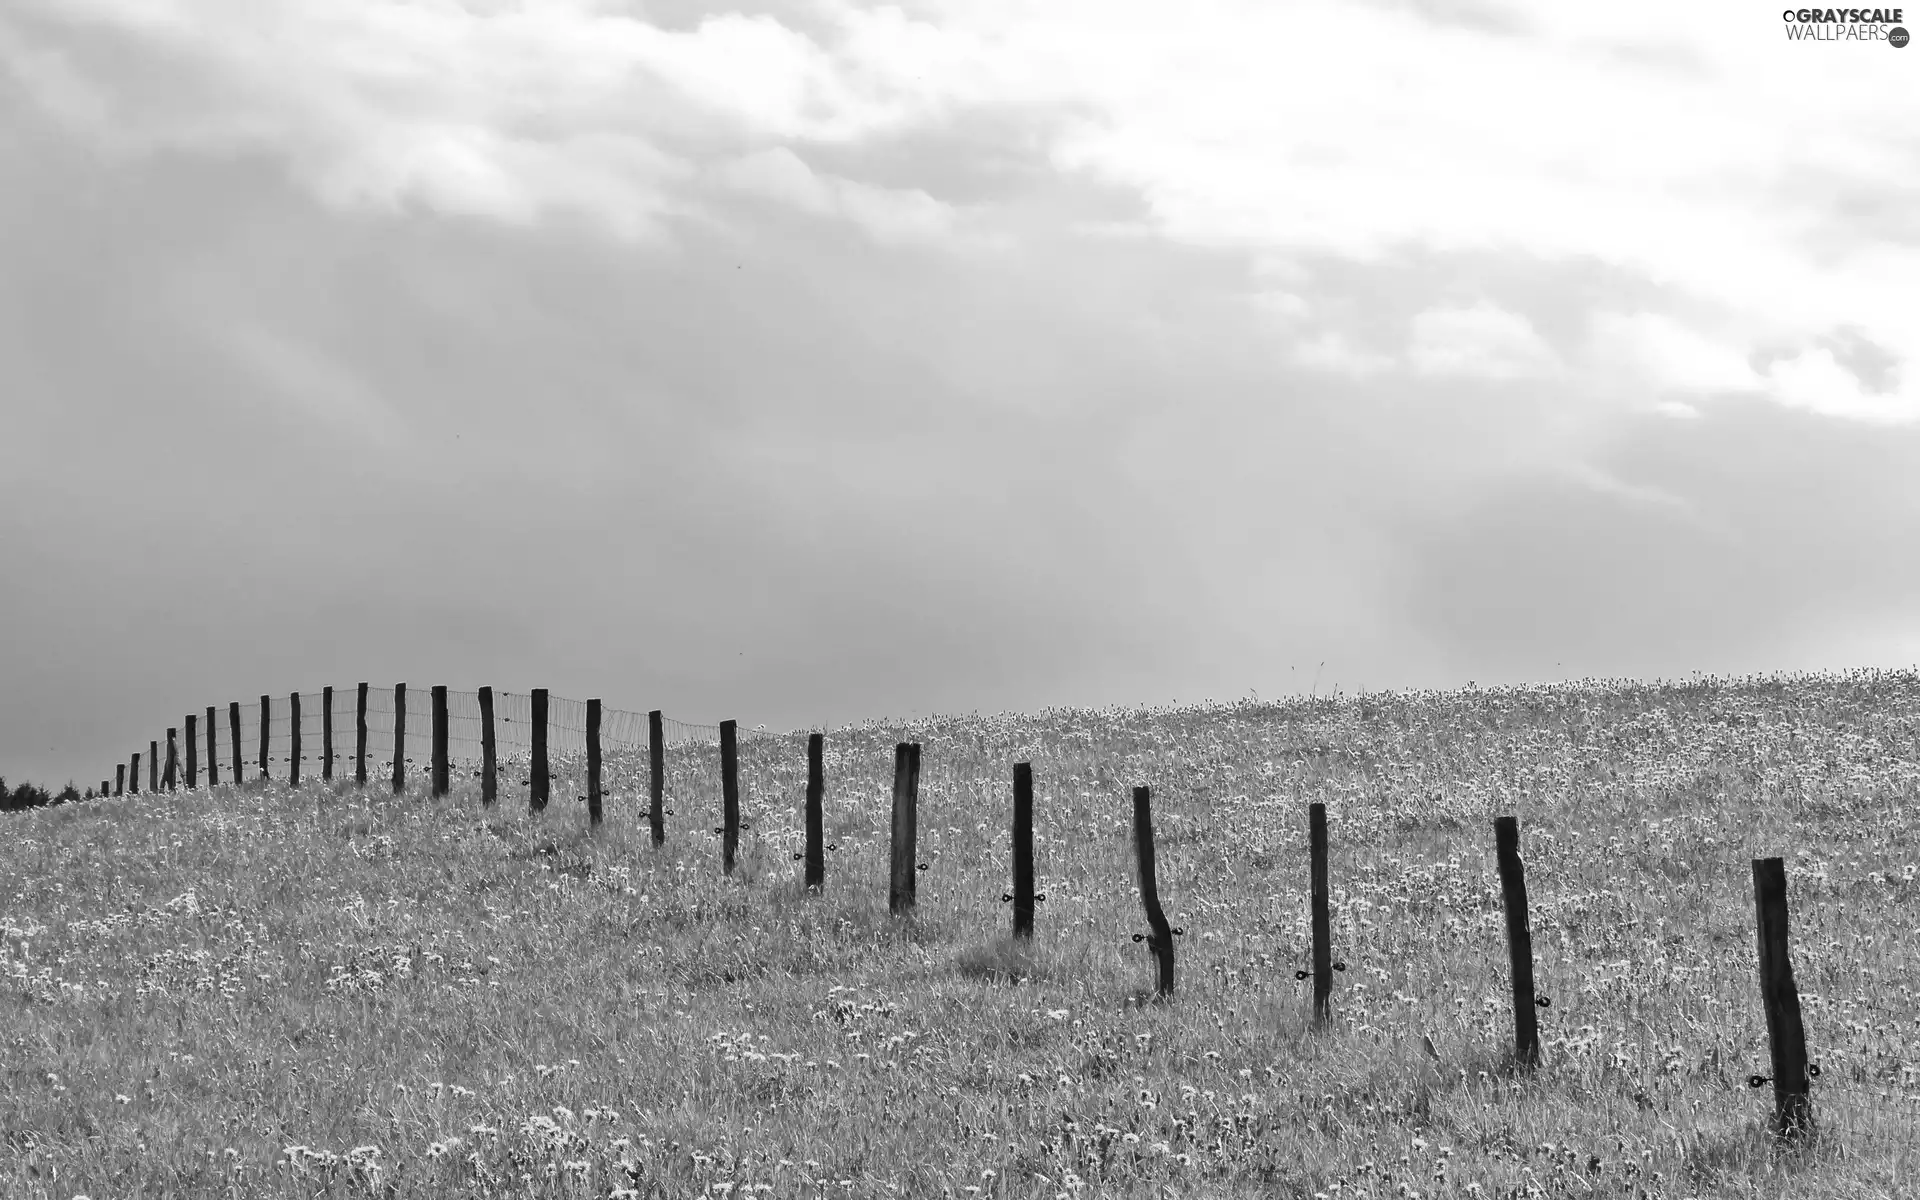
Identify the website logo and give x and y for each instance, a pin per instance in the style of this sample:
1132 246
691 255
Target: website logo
1846 25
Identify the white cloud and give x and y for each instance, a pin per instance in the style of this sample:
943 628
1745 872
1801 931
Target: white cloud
888 215
1814 380
1672 145
1659 356
1331 351
1479 342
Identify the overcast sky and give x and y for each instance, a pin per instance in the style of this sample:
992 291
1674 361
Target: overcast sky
809 361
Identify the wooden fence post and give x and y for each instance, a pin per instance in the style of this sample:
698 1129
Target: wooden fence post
399 738
233 740
134 774
816 792
266 712
441 782
213 749
729 794
488 767
657 785
1513 887
103 788
1160 941
537 798
360 739
193 752
120 779
1321 914
153 766
1786 1036
906 797
1022 894
326 734
293 740
593 762
173 762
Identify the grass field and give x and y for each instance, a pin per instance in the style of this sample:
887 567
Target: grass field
255 992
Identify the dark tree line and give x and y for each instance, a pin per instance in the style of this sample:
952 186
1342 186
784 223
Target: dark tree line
28 796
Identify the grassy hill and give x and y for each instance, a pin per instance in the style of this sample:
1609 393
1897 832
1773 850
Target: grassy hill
262 991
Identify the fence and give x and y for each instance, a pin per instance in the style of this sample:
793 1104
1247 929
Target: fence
541 746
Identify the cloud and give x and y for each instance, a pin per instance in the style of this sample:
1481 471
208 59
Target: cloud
891 216
1660 356
1479 342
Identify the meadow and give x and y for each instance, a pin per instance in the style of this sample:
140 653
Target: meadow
261 991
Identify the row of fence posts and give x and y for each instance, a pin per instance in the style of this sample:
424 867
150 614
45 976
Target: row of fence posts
1792 1073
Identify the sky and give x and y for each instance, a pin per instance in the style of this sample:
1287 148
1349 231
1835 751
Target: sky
808 361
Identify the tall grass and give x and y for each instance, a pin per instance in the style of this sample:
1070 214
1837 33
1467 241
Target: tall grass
253 992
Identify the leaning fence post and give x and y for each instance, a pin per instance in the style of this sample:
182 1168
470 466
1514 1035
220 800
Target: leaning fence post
487 766
326 734
657 785
906 796
213 750
729 794
360 739
173 762
1322 916
1160 941
266 709
193 752
293 740
441 783
537 798
593 762
153 765
816 792
1787 1038
1023 850
399 738
120 779
1513 886
233 726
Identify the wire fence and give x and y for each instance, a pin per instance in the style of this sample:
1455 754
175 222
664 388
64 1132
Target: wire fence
1868 1073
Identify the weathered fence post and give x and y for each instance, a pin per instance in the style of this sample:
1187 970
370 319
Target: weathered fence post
441 783
266 710
488 767
213 750
729 794
1321 914
153 765
816 792
133 780
233 727
399 738
360 739
103 788
657 785
1787 1038
593 762
293 740
1160 941
173 762
326 734
537 798
1513 887
906 798
193 752
1023 850
120 779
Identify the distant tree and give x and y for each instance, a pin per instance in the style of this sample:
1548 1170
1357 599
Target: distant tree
68 794
22 797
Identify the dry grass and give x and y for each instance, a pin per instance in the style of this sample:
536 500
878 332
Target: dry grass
250 992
